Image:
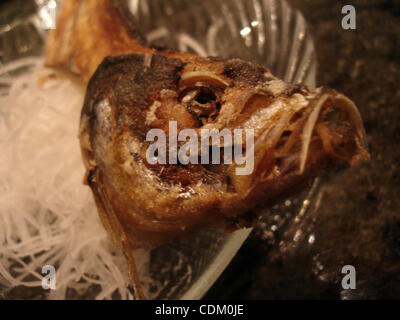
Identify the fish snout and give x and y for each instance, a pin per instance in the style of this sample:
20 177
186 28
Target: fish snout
339 128
327 127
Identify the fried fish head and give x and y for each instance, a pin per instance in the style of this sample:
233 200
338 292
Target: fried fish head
296 132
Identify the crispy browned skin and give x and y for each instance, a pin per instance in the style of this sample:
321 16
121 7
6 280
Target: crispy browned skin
137 88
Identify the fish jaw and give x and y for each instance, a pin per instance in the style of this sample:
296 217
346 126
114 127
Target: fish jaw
302 135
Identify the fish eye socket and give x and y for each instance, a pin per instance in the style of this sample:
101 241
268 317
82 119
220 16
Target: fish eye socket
205 95
201 95
202 103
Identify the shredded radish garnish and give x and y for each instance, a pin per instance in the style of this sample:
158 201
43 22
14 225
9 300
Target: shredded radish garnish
187 42
47 215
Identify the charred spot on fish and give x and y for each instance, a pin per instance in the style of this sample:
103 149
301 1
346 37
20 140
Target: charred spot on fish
164 64
293 89
130 86
127 74
243 71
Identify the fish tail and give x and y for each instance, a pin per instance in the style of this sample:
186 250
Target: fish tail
88 31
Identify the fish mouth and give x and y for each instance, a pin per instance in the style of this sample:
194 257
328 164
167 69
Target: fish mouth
341 130
327 127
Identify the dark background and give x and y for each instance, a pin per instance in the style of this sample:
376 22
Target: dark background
358 221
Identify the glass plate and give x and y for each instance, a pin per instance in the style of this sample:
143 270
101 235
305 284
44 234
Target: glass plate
268 32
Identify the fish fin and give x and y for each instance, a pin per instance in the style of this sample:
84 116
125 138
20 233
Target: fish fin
115 230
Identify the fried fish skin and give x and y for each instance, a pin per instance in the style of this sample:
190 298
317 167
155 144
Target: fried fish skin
133 88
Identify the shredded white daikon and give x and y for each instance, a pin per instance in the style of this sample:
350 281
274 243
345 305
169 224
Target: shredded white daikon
47 215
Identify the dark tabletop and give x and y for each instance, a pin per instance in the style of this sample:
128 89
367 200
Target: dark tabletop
358 220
